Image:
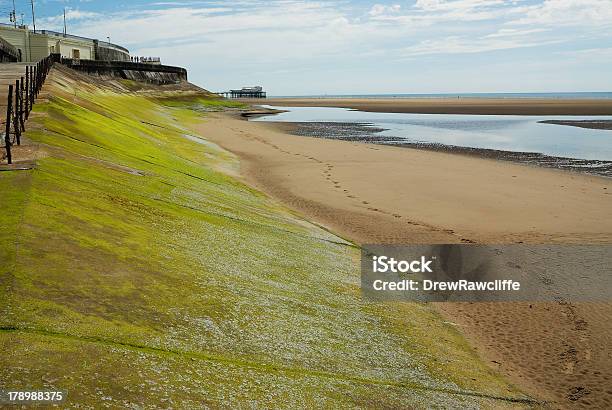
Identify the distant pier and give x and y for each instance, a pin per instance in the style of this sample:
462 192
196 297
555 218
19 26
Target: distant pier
244 92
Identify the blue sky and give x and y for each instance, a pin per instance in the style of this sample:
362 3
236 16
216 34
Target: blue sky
296 47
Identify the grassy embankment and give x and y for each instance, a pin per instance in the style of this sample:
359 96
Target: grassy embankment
136 269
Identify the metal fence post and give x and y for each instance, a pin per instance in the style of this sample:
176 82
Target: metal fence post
27 91
16 126
21 120
7 135
36 74
32 73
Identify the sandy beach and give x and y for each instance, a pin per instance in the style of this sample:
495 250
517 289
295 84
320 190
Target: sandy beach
506 106
380 194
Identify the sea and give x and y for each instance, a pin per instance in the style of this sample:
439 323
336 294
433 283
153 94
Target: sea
513 133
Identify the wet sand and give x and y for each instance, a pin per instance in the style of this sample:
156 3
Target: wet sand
382 194
591 124
505 106
364 132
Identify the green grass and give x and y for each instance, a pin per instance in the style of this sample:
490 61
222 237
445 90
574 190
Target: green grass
136 272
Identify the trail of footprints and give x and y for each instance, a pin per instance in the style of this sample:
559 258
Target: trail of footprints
327 173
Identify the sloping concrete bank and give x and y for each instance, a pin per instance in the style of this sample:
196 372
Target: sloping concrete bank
137 271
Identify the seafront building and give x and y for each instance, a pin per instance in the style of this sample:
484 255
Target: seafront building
24 45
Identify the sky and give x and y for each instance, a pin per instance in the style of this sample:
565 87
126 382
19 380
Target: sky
293 47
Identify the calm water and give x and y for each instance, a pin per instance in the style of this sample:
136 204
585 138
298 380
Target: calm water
500 132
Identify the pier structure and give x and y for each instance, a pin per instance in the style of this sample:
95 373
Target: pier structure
244 92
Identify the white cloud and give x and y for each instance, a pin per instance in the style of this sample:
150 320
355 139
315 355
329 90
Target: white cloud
568 13
607 51
381 9
590 54
445 5
513 32
71 15
429 12
208 24
463 45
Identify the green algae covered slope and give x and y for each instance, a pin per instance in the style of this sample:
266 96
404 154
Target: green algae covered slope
137 271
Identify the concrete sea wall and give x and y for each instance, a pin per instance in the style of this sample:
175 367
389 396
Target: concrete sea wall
156 74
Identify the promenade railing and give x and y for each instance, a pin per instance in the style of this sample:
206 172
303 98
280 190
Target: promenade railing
20 101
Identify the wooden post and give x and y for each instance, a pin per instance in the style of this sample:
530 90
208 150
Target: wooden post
16 126
27 91
21 120
7 135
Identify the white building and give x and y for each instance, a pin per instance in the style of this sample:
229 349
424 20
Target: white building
34 46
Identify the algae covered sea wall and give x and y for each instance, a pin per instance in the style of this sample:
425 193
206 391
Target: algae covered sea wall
138 271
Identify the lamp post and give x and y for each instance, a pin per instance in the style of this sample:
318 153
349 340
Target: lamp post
33 15
14 15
